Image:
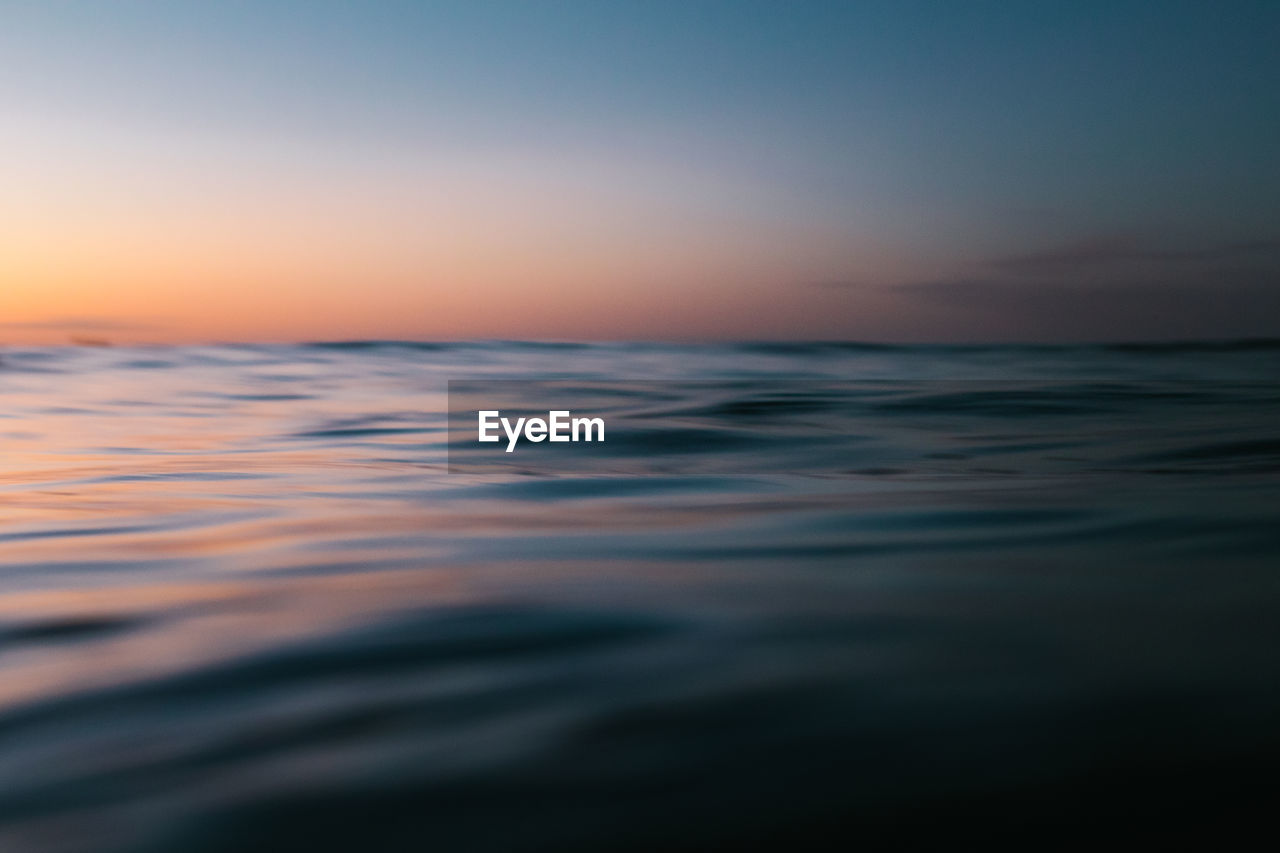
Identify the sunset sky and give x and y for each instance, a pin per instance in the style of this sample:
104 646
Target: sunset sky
912 171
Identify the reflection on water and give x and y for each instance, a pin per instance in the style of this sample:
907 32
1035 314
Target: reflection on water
814 594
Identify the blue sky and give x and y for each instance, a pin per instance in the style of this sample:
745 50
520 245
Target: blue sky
860 169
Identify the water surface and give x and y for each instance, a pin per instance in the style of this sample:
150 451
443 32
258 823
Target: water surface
806 594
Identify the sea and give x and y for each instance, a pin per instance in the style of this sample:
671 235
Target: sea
804 596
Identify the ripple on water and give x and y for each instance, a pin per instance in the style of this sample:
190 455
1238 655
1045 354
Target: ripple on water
805 594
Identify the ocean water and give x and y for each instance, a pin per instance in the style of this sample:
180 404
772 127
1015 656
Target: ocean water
803 597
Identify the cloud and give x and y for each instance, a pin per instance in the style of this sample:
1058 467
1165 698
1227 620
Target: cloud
838 283
79 324
1114 288
1120 250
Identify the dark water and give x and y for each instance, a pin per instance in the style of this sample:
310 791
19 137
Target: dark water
805 597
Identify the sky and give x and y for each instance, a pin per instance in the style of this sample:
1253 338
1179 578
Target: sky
887 171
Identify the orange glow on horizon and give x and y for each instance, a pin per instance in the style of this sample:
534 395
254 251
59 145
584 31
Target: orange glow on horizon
178 288
139 239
